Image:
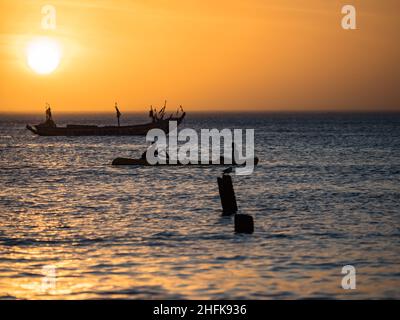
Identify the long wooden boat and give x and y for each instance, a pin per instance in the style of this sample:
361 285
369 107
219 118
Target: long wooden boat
143 162
49 128
91 130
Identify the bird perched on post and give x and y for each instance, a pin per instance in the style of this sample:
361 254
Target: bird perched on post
227 171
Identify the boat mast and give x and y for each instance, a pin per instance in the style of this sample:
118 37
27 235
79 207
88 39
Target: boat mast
118 113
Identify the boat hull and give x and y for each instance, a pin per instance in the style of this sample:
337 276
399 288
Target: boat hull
143 162
83 130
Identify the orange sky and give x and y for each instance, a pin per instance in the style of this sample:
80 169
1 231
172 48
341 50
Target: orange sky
207 55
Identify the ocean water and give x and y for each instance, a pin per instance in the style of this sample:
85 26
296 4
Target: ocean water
326 194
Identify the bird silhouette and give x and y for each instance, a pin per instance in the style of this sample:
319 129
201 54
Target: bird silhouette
227 171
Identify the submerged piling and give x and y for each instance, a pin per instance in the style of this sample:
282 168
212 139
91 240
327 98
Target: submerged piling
244 223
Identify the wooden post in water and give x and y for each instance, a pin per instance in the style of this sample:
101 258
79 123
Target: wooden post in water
243 222
227 195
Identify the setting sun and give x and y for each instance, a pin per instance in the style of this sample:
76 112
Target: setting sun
43 55
226 56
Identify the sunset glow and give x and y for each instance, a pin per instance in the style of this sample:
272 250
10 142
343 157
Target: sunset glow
221 56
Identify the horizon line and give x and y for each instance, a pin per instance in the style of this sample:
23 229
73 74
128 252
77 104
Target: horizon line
212 111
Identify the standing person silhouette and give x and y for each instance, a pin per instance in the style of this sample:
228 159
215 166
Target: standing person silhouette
48 113
49 118
118 113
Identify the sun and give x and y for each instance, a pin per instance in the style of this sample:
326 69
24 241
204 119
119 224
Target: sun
43 55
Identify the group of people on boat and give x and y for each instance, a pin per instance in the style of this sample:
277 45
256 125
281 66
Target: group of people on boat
153 114
156 116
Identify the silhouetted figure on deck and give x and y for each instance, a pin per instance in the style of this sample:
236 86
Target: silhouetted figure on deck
49 118
48 113
118 113
161 113
233 156
152 147
151 114
233 153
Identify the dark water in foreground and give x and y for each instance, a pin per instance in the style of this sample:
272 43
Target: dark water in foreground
326 194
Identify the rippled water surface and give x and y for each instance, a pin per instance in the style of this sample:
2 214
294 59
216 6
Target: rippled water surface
326 194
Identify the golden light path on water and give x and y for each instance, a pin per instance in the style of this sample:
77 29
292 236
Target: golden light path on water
325 195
